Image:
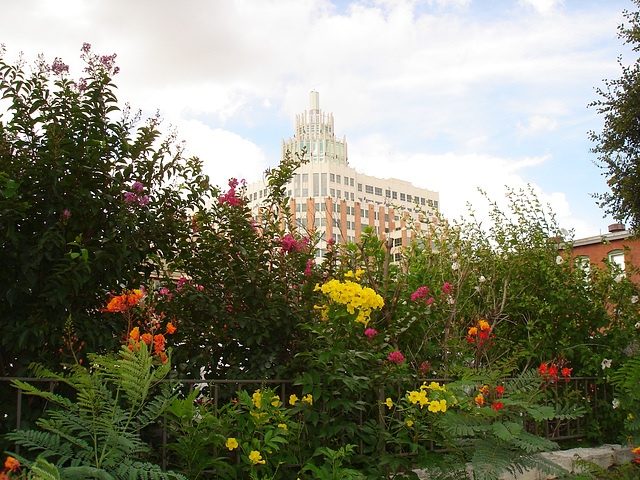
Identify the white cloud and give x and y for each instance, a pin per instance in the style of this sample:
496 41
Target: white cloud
536 125
543 6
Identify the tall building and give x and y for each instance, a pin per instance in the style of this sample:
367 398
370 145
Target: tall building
333 199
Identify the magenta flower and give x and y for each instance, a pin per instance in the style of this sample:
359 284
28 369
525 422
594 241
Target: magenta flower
421 292
370 332
447 288
396 357
307 270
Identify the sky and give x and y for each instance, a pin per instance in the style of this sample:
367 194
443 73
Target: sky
451 95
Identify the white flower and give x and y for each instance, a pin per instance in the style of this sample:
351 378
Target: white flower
637 325
455 266
634 299
450 300
559 260
618 279
482 279
606 363
454 255
615 403
477 289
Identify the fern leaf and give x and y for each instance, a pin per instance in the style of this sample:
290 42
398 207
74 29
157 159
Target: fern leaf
41 468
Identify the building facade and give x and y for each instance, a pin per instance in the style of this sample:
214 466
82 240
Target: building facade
618 246
330 198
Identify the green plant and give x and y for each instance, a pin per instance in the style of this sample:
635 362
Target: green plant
98 431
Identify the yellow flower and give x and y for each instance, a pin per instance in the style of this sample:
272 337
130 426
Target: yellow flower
422 398
484 325
636 451
484 389
283 426
438 406
479 399
409 423
275 400
257 399
414 396
255 457
473 331
630 417
293 399
231 443
388 402
308 398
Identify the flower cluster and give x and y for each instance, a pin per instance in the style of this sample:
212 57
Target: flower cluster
355 297
136 195
156 341
58 67
487 395
552 372
130 298
480 334
293 399
289 244
231 196
370 332
433 396
420 293
10 465
396 357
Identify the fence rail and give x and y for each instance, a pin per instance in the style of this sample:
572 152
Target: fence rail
590 392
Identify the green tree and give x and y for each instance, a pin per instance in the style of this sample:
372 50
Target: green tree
618 145
90 200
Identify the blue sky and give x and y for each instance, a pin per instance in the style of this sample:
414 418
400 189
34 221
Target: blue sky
448 94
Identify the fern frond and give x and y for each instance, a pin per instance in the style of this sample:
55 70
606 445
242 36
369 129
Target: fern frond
48 444
29 389
44 470
129 470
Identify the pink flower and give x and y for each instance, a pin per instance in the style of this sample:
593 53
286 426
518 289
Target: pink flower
424 367
447 288
370 332
230 197
307 270
290 244
419 293
396 357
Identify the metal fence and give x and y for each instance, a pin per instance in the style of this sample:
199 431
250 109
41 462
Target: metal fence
588 392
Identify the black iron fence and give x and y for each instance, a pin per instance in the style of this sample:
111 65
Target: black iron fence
20 411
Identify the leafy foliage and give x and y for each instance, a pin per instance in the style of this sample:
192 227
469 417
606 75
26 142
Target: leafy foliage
618 145
98 434
88 196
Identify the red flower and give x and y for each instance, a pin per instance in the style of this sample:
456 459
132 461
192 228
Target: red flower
497 406
543 369
499 390
566 372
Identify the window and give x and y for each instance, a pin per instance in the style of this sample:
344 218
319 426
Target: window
346 181
359 187
338 179
394 195
339 194
368 189
352 197
616 257
397 257
332 192
332 177
409 198
351 182
397 242
423 201
403 197
583 262
378 191
387 193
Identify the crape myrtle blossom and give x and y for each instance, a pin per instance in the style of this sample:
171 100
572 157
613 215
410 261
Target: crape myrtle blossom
291 244
135 196
231 196
396 357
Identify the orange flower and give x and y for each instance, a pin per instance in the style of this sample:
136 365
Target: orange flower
135 334
11 464
170 328
479 399
163 357
473 331
147 338
117 304
158 343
